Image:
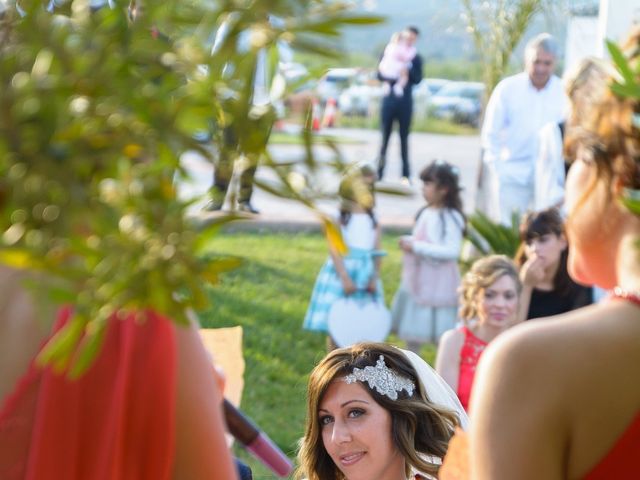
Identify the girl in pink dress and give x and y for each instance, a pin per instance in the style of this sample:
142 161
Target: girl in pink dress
426 304
490 294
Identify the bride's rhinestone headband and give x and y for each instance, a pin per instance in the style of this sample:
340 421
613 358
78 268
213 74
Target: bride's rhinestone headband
382 378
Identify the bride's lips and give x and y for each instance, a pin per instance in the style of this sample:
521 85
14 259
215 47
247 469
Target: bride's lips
351 458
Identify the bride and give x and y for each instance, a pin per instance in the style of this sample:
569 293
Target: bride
376 412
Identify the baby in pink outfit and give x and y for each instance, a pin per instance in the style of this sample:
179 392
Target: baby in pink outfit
395 64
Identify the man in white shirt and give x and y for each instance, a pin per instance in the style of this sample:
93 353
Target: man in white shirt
519 107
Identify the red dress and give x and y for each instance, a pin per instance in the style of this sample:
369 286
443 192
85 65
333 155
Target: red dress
116 422
622 460
469 355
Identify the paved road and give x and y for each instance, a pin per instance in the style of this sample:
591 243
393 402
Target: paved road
462 151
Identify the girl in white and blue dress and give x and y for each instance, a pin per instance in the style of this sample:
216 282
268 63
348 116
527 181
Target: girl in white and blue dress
354 274
426 303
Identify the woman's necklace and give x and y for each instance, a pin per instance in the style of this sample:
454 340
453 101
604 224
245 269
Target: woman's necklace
622 294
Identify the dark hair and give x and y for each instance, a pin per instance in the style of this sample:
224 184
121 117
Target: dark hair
446 175
535 225
354 190
413 29
420 429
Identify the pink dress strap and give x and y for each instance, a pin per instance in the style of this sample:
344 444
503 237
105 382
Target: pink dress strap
115 422
622 460
470 353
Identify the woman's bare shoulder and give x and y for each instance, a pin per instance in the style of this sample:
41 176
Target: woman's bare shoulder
451 340
554 350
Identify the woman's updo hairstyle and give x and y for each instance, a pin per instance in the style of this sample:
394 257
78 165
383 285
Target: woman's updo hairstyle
609 129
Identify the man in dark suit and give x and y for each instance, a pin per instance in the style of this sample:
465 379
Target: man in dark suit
400 109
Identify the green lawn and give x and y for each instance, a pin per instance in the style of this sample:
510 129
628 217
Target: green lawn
268 297
425 125
284 138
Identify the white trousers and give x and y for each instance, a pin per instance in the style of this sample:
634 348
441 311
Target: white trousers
503 197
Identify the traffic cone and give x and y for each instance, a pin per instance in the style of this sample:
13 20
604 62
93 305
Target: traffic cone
315 115
329 118
279 125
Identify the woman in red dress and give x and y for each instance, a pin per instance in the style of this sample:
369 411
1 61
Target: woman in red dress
148 407
489 305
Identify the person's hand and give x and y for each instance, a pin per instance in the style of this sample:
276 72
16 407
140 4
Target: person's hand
372 285
406 244
221 378
348 286
532 271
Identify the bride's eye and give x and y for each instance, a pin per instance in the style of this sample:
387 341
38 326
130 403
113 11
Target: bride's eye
356 412
325 420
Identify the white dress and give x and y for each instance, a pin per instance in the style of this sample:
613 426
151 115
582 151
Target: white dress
360 237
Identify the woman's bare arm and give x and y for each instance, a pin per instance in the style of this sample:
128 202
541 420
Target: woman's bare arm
448 357
201 449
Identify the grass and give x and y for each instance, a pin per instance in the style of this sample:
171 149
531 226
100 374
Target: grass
425 125
284 138
268 297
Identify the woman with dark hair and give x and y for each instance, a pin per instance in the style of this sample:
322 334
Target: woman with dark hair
542 257
375 411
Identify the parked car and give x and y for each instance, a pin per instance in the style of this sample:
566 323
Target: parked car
334 82
460 102
360 99
430 85
363 96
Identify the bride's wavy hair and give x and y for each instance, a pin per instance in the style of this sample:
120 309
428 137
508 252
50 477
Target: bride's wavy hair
420 429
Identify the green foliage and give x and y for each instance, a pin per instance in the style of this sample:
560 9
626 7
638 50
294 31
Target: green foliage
490 237
496 29
628 86
95 113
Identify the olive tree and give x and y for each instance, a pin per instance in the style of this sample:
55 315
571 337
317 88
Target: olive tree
96 108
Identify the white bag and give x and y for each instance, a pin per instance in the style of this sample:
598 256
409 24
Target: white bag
361 320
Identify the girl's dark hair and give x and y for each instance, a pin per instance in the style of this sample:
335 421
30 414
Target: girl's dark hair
354 190
535 225
443 174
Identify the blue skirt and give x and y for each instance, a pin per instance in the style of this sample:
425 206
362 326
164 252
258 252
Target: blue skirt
328 287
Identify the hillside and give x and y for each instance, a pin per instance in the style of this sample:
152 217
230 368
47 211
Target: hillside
443 30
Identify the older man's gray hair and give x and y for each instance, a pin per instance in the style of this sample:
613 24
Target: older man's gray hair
543 41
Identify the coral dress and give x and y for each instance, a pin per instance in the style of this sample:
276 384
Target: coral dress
469 356
114 423
622 460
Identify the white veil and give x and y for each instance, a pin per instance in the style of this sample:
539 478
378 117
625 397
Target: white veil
437 389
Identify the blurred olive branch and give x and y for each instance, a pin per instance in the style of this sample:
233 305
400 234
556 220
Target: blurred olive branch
95 112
